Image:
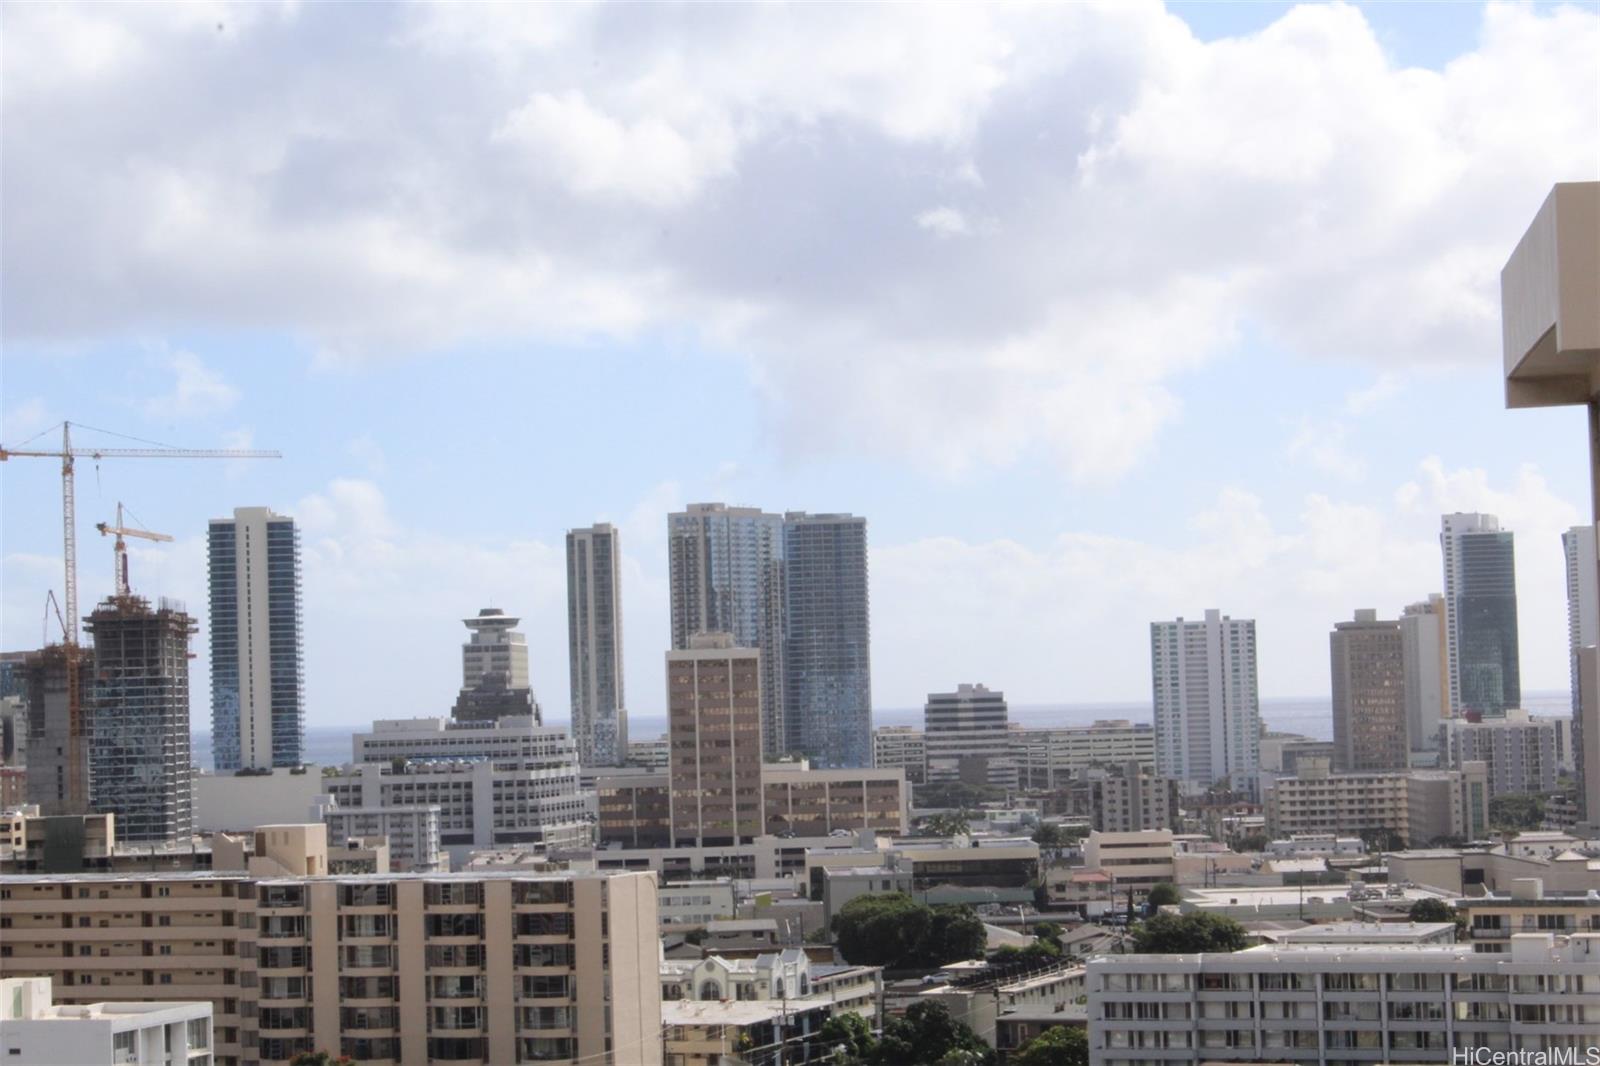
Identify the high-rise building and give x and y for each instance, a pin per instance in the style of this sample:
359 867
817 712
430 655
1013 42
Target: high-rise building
1207 705
827 658
1523 753
1369 704
58 749
714 722
726 571
257 664
1583 626
1423 647
967 738
139 709
494 671
594 645
1480 599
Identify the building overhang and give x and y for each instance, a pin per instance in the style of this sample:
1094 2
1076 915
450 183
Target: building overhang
1550 302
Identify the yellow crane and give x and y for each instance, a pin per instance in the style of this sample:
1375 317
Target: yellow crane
119 550
68 454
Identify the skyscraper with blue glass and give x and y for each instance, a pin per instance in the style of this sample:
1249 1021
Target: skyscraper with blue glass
257 660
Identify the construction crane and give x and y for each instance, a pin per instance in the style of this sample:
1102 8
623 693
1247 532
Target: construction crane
69 538
119 550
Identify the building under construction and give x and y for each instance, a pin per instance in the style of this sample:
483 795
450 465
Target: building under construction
58 746
138 704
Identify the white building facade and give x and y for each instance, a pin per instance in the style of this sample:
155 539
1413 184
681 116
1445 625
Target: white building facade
1207 704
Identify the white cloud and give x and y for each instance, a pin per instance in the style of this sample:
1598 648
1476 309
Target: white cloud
746 173
197 390
23 421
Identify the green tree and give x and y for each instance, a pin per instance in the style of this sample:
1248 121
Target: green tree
1516 810
881 930
927 1033
1047 931
1437 910
1060 1045
1183 934
1250 842
1049 835
847 1038
954 933
1382 840
1164 895
949 824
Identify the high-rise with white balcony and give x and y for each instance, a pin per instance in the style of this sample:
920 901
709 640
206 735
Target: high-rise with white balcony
1207 705
257 663
1480 601
594 645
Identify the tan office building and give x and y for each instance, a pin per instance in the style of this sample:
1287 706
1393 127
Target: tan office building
494 967
714 725
1369 694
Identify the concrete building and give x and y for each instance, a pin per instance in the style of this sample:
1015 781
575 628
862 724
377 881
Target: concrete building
967 738
492 967
827 657
714 704
1493 921
412 832
1523 753
1550 330
1418 806
594 645
802 801
1480 600
1135 862
1050 759
1369 702
650 754
231 801
59 779
1281 752
1130 799
901 747
726 571
694 903
1423 648
1207 706
1583 631
1325 1003
1309 845
139 706
14 728
257 661
989 998
37 1031
494 671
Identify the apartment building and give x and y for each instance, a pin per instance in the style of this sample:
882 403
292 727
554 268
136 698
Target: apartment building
1419 806
1052 758
691 903
1207 704
1132 798
1134 861
39 1032
594 644
1523 753
1493 920
485 967
412 832
901 747
1338 1004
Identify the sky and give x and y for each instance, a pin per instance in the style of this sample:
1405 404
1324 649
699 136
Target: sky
1100 314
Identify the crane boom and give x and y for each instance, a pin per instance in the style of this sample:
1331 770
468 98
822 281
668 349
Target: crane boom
119 550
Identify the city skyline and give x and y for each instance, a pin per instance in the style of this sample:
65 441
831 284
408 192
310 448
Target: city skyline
1040 486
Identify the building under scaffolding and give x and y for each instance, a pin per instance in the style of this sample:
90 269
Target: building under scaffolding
138 701
54 783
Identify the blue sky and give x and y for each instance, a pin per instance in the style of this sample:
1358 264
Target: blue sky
1100 315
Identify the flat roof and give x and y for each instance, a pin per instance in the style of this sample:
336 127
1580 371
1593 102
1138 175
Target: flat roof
735 1012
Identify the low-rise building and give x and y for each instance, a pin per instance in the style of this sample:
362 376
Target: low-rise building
980 999
237 800
1305 845
801 801
1470 871
1492 921
1418 806
841 884
1130 798
695 903
1052 758
901 747
1136 862
1523 753
412 832
1324 1003
1088 893
39 1032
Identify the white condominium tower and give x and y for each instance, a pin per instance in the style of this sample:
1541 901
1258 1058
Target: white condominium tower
594 645
1480 601
1207 707
257 676
1583 597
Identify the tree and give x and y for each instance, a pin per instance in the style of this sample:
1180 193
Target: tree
1049 835
1437 910
948 824
1184 934
1047 931
927 1033
1060 1045
1164 895
1250 842
1516 810
1382 840
319 1058
892 930
847 1037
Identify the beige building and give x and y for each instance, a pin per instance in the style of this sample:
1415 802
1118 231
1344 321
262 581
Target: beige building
486 967
1051 758
1369 701
1419 806
808 803
714 722
1135 862
1527 908
1133 799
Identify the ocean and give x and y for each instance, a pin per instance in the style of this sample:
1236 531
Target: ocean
1313 717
